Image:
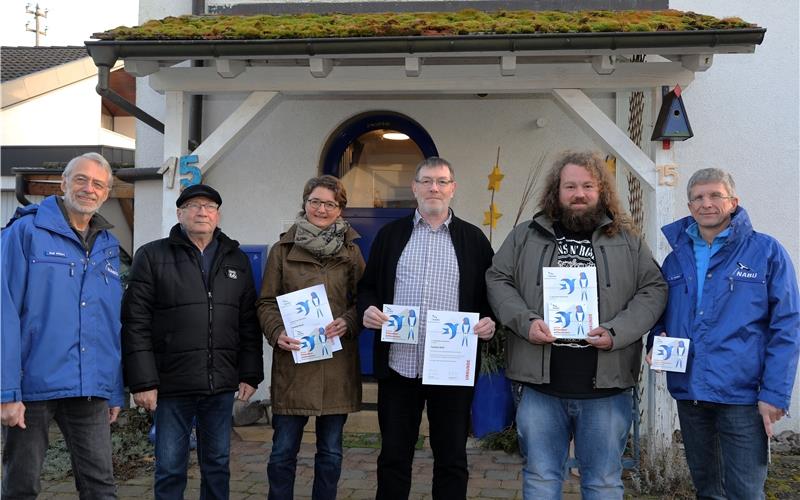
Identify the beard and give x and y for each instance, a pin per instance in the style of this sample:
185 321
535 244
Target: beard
582 221
71 201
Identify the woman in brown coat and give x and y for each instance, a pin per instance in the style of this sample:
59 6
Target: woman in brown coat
318 248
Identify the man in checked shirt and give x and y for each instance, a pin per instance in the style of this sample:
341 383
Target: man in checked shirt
434 260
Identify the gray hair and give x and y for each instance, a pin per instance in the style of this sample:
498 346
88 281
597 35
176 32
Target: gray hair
707 175
433 162
95 157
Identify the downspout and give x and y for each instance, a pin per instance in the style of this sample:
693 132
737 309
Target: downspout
20 184
103 72
196 102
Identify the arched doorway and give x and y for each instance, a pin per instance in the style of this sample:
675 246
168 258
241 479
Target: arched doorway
375 154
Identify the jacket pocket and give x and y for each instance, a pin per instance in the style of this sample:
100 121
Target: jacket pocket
54 264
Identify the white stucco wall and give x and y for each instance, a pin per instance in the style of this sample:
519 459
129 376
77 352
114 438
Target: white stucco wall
263 176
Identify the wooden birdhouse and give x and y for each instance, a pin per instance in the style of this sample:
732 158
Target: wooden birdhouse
672 123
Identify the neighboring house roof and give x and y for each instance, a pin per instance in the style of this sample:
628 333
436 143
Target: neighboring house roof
22 61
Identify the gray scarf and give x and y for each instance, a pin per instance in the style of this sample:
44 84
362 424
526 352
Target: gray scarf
321 243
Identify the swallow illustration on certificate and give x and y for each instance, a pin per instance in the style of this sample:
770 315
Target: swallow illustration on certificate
403 324
670 354
451 348
570 301
305 313
314 345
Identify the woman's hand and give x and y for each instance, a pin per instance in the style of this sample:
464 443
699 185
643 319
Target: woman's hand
287 343
336 328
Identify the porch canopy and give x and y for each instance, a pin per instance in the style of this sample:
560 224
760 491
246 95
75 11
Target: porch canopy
471 52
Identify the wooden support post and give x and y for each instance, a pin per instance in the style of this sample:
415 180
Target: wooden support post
176 139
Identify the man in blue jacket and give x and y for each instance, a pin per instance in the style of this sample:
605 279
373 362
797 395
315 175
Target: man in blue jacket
61 298
733 292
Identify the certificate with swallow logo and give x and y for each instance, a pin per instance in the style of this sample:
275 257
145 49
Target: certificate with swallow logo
451 348
403 324
570 301
670 354
305 313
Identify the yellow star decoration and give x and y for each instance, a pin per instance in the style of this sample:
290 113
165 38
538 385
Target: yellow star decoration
490 217
494 179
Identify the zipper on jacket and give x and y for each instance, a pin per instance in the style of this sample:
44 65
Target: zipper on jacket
71 269
731 280
605 265
210 341
541 265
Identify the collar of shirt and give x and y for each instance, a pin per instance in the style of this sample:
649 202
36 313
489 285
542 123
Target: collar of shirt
418 218
703 253
694 233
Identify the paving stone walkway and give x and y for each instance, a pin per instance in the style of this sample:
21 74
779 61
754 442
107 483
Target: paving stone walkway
493 474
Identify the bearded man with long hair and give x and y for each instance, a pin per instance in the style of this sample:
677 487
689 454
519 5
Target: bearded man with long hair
573 388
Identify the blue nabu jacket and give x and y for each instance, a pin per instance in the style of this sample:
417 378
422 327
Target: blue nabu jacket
61 310
745 333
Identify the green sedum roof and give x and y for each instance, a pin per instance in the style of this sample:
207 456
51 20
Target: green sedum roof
465 22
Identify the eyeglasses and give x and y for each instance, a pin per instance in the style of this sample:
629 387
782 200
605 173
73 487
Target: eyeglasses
82 180
316 204
715 198
427 182
195 207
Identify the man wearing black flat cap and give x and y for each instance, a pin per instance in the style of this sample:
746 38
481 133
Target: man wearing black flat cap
190 341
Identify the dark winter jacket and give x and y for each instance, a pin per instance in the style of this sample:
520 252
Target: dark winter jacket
178 335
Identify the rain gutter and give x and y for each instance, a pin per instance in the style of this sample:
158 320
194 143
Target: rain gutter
103 72
106 52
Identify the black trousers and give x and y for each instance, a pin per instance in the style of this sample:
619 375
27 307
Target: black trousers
400 404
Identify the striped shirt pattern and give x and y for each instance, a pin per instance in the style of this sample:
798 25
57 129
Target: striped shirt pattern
427 276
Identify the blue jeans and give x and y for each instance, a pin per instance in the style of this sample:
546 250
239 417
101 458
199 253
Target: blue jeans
173 421
84 424
600 426
726 449
288 432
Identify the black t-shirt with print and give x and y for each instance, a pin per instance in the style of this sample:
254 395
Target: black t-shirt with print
573 363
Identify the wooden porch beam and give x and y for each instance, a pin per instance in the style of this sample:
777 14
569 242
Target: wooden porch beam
601 128
230 131
436 79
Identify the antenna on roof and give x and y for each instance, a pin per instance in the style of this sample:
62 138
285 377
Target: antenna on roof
37 13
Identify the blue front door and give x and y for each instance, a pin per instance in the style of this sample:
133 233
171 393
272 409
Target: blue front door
367 221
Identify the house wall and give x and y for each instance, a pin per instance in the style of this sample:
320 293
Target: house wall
69 115
262 178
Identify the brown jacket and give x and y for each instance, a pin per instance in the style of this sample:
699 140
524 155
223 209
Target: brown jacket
331 386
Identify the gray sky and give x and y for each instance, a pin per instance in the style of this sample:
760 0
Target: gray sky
69 22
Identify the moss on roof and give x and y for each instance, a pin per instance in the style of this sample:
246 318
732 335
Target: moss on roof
465 22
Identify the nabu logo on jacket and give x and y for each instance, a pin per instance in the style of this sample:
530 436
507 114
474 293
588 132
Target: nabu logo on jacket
232 274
